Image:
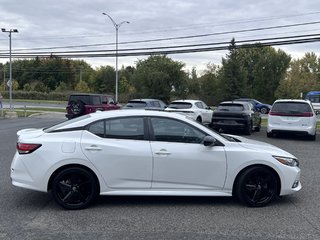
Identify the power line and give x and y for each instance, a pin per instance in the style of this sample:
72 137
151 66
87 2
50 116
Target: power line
196 48
178 38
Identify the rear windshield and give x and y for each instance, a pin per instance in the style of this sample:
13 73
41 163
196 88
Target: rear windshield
230 107
136 104
291 108
180 105
65 123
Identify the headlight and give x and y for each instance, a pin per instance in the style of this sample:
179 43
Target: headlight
292 162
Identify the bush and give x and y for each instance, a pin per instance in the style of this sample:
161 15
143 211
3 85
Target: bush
33 95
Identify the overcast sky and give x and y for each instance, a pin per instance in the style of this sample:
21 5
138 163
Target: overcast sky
51 23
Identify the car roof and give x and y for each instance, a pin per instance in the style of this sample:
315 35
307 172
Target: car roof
90 94
293 100
92 117
186 100
234 102
144 99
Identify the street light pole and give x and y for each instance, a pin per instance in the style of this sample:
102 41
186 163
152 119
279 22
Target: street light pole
117 26
10 62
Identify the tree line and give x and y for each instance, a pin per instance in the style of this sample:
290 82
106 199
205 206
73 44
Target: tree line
263 73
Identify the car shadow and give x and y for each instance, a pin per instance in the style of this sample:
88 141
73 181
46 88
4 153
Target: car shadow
164 201
291 136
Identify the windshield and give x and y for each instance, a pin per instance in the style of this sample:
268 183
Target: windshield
314 98
180 105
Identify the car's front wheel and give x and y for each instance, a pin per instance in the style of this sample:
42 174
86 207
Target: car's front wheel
74 188
256 186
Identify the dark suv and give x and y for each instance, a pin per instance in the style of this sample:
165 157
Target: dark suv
84 103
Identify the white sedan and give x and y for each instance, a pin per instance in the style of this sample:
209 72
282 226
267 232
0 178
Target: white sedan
143 152
194 109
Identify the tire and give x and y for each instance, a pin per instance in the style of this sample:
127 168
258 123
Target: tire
199 119
77 108
313 137
258 128
257 186
264 110
269 134
248 129
74 188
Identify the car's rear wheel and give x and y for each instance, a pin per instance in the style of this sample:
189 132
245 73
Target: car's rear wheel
256 186
264 110
74 188
199 119
269 134
248 129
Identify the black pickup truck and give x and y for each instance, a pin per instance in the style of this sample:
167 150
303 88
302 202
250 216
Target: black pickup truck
236 116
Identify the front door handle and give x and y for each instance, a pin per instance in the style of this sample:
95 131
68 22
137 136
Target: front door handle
163 152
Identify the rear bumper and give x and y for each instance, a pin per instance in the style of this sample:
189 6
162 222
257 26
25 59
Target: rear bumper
309 130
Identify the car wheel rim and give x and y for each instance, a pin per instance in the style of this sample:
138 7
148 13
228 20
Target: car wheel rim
75 109
260 188
74 189
263 110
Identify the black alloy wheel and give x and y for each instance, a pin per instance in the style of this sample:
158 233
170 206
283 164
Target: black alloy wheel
74 188
264 110
257 186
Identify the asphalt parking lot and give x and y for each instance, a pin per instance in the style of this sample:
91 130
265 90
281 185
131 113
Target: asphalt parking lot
32 215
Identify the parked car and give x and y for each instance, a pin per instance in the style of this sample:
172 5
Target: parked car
151 153
145 103
292 116
194 109
235 116
84 103
262 107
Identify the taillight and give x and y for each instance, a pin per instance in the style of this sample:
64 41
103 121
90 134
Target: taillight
26 148
307 114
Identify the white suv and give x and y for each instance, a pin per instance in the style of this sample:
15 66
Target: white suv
292 115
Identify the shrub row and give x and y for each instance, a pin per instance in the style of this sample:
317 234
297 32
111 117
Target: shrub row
33 95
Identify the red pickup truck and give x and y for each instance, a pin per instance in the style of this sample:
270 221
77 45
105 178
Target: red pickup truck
84 103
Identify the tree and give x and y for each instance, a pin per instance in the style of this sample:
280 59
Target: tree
233 74
209 82
159 77
303 76
82 86
104 80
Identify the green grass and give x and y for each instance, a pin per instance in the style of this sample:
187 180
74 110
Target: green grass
21 112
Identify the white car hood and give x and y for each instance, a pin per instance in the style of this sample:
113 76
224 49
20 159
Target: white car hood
261 146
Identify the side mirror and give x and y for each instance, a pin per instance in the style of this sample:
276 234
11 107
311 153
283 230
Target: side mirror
209 141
